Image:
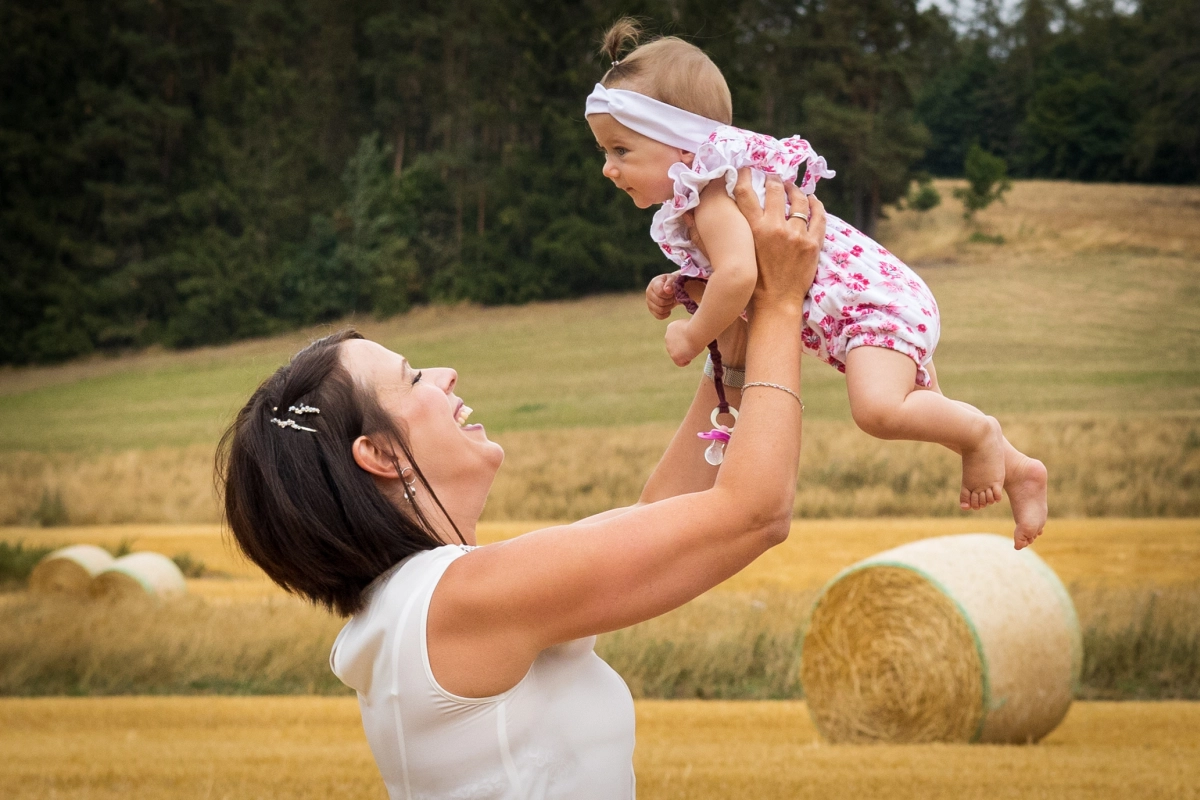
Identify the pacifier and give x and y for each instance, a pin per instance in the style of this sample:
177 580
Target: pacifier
719 436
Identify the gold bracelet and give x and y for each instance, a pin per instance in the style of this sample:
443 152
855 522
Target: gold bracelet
776 386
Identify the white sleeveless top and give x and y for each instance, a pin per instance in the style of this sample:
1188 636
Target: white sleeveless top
565 731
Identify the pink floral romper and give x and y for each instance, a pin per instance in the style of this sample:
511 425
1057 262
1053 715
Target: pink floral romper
862 294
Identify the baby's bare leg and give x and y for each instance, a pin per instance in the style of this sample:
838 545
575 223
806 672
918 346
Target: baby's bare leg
1025 481
887 404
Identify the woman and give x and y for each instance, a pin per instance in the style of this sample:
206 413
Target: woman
351 480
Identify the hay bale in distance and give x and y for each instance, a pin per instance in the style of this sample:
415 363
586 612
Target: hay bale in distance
69 570
139 574
949 639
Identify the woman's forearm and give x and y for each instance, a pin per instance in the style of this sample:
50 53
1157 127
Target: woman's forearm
682 469
759 471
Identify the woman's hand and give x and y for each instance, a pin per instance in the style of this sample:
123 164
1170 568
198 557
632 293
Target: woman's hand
786 248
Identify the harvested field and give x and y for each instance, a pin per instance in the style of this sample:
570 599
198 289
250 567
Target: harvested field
1142 466
264 748
1084 552
1136 584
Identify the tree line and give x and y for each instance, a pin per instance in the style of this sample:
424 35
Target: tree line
188 172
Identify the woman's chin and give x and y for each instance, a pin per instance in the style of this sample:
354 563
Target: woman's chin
477 433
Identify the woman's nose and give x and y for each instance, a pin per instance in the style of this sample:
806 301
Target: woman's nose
445 378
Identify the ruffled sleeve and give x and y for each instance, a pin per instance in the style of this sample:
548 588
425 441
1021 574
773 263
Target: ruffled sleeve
726 151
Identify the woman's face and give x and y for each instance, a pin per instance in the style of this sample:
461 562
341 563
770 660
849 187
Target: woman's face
456 457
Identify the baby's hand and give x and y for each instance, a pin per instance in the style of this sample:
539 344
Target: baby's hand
660 296
679 344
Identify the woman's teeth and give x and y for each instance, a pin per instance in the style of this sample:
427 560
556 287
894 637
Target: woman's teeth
464 411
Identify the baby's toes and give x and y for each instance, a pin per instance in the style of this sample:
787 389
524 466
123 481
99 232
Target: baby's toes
964 499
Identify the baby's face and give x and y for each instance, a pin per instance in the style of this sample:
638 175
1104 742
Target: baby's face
635 163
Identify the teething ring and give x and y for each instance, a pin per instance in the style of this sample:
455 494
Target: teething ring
733 412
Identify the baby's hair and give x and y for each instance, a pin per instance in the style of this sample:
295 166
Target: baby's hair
668 69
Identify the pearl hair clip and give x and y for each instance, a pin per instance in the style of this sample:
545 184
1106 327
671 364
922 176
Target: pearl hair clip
291 423
303 409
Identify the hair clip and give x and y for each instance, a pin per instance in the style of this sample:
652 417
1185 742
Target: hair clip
303 409
291 423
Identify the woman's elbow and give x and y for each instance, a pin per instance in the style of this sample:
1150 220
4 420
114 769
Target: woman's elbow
767 521
773 526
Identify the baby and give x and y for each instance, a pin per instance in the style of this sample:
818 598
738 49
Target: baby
662 115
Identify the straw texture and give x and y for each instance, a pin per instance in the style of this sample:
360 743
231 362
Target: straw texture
139 574
953 639
69 570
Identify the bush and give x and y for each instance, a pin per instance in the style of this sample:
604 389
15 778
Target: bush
51 512
923 196
17 561
987 180
190 567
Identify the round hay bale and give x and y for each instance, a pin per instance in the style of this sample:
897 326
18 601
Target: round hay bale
139 574
69 570
950 639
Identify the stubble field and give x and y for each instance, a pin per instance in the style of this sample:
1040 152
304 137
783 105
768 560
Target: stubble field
1135 582
306 748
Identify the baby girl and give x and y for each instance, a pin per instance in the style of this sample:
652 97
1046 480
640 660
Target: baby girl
662 115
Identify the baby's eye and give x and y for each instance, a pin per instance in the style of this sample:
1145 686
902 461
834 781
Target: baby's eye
620 151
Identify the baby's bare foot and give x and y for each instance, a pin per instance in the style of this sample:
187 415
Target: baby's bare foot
983 469
1025 482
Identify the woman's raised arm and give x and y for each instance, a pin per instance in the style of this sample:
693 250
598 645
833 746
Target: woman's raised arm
503 604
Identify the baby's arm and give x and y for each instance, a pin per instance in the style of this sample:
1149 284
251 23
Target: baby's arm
726 239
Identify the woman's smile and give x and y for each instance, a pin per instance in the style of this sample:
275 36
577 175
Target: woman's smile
462 412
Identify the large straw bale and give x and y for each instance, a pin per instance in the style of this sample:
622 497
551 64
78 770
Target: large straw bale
139 574
69 570
951 639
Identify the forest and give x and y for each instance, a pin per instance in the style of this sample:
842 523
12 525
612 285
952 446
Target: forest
188 172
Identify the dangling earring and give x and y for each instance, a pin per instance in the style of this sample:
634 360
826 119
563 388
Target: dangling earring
410 483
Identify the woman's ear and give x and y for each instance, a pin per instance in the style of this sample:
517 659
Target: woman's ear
373 459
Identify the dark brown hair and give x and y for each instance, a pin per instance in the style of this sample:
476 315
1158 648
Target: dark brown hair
666 68
297 503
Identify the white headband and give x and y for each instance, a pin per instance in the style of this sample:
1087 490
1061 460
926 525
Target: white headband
649 117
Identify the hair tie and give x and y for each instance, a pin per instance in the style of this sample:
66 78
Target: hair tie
615 63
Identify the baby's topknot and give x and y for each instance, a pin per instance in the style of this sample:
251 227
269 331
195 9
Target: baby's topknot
666 68
625 31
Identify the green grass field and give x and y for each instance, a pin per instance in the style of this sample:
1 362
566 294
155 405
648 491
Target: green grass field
1052 323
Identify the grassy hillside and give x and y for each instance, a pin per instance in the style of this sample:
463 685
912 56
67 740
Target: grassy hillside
1086 319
